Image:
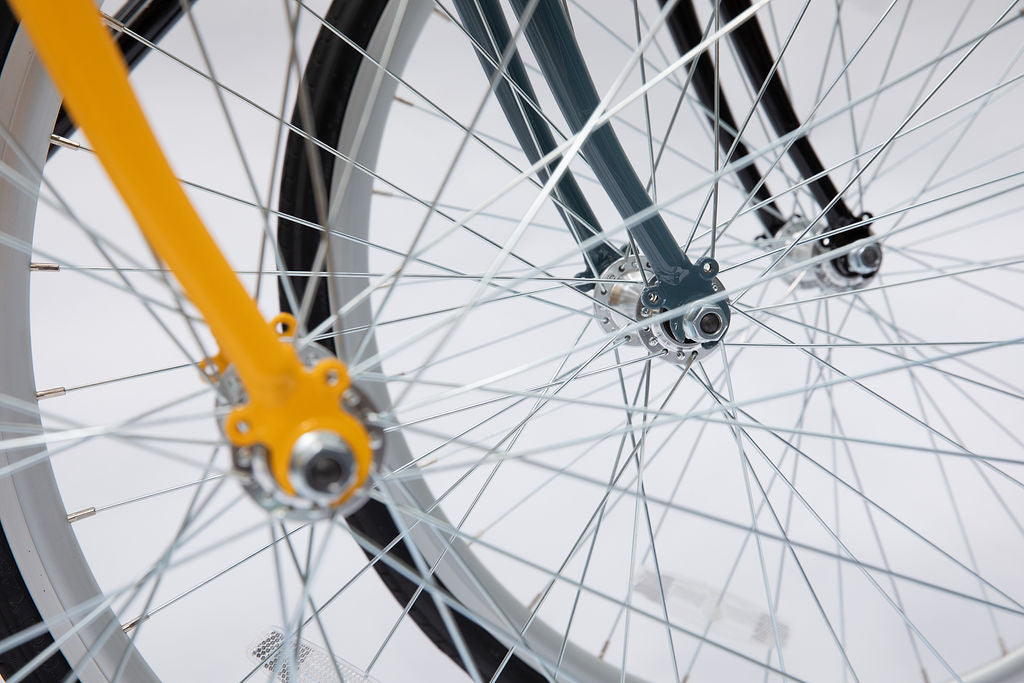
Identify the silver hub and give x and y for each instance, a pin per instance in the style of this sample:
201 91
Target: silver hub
862 263
321 465
620 297
703 329
620 306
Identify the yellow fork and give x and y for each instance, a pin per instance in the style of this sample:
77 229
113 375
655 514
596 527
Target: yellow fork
285 399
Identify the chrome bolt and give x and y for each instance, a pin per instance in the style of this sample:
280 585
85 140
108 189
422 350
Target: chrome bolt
865 260
704 325
322 466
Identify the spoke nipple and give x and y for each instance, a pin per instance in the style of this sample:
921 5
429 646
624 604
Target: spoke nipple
51 393
131 624
112 22
44 267
81 514
64 142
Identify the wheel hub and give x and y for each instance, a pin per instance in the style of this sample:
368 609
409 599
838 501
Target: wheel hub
619 292
624 299
322 467
849 271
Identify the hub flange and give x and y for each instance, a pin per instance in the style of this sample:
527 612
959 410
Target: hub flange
625 298
846 272
322 467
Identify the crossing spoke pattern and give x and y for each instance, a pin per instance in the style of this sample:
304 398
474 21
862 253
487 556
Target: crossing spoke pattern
834 491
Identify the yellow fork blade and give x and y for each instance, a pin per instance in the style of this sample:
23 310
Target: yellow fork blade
285 400
90 73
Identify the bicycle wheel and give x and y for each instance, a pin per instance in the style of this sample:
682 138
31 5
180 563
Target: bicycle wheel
845 504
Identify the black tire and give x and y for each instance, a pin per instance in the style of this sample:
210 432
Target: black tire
18 612
329 78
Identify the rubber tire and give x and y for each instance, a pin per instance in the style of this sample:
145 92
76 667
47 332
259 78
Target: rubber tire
329 77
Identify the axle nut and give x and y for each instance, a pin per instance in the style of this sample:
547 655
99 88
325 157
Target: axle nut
705 324
322 466
865 260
